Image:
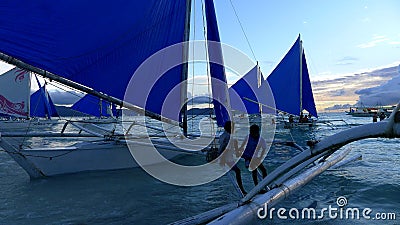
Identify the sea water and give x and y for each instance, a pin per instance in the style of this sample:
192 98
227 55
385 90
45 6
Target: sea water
134 197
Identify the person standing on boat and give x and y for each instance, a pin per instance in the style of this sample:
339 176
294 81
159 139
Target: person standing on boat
301 118
375 118
227 146
382 116
253 160
291 119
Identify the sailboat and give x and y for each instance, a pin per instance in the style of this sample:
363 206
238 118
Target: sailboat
94 106
97 110
66 49
291 87
252 97
68 44
41 104
20 110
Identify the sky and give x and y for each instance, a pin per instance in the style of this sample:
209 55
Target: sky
341 39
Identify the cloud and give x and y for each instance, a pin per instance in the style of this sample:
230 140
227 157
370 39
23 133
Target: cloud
347 60
200 100
339 92
339 106
375 41
384 94
363 86
394 42
64 98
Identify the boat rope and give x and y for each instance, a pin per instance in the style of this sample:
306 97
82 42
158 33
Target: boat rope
241 26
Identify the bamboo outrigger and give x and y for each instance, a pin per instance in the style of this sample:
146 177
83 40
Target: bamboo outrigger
282 181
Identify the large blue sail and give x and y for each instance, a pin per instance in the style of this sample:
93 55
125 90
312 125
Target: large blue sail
285 81
219 85
308 97
97 44
92 105
290 83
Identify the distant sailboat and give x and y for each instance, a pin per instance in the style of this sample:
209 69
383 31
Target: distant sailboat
95 106
19 109
250 95
41 104
291 86
252 98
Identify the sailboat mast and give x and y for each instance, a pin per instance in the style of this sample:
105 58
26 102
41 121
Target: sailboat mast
29 99
101 107
301 74
18 63
185 67
258 86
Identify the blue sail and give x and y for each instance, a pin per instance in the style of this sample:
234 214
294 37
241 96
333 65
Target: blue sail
52 108
285 81
250 90
244 94
308 97
90 105
219 85
290 83
41 104
97 44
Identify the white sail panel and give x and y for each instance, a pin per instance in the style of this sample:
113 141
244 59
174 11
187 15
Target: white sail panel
15 93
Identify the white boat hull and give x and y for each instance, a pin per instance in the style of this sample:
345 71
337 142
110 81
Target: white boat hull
289 125
88 156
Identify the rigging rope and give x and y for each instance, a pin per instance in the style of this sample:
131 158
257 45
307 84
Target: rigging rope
241 26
